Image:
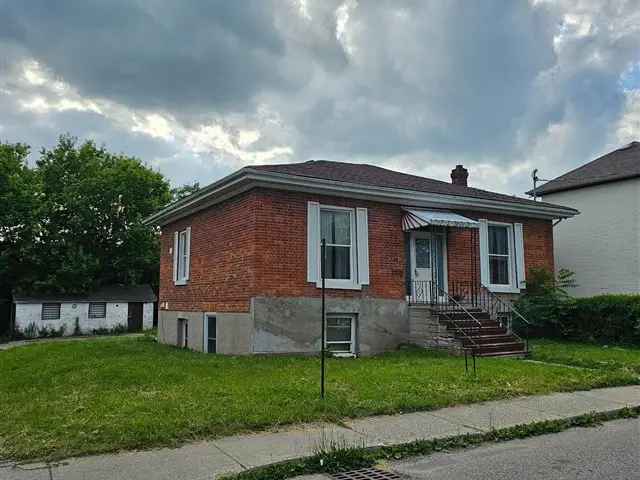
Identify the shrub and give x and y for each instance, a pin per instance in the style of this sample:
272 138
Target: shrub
554 313
31 331
119 329
603 318
546 301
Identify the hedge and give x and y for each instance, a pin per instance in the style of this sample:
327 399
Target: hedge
603 318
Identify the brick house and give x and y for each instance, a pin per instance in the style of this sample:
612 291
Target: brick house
408 259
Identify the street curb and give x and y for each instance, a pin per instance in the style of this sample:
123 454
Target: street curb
339 460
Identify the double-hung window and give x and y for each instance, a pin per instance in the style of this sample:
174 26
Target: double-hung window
340 333
346 233
502 267
500 257
336 228
181 254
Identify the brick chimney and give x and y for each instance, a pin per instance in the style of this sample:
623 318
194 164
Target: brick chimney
459 175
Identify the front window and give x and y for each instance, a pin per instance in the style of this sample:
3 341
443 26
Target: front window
499 255
182 255
340 333
336 230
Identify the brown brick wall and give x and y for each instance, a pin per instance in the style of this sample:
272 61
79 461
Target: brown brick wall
281 260
463 244
255 244
222 258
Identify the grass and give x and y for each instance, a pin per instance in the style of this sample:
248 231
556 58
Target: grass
588 355
72 398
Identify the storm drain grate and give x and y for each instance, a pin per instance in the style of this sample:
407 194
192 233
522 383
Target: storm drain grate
366 474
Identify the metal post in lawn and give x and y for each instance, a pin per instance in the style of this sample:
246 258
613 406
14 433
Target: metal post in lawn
323 259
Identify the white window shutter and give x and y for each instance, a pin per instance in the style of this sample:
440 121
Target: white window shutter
187 264
484 251
519 247
362 246
175 257
313 241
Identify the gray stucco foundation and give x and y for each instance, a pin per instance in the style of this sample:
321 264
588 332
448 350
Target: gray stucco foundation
293 325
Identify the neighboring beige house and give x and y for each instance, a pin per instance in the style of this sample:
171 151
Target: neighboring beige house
602 244
110 307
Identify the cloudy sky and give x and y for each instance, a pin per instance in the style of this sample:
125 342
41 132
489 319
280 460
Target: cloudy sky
198 89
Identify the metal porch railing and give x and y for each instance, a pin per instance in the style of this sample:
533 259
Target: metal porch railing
469 296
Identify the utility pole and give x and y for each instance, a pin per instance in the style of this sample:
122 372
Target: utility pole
323 258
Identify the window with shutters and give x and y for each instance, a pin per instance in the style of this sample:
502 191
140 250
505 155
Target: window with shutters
502 256
97 310
182 255
336 228
346 233
50 311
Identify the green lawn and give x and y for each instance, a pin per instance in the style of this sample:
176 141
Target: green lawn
587 355
69 398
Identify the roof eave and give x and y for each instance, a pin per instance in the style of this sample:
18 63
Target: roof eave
567 188
248 178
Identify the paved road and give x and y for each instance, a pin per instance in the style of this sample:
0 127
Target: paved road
607 452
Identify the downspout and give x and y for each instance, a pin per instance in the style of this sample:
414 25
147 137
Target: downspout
556 223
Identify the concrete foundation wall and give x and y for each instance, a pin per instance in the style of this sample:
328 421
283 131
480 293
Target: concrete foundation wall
427 331
292 325
234 335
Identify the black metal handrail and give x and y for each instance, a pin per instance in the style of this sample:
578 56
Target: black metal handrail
474 295
507 309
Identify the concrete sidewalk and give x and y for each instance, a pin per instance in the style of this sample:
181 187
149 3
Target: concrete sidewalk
206 460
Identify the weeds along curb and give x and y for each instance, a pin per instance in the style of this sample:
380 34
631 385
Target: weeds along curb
341 459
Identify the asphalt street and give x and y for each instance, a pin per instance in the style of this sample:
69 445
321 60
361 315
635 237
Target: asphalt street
607 452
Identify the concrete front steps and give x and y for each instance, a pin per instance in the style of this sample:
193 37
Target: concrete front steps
456 331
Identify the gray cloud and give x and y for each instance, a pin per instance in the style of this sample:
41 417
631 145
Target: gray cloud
201 88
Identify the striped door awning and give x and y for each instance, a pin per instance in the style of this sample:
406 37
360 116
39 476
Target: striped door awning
416 218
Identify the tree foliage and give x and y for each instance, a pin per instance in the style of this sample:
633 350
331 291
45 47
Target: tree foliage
84 208
179 193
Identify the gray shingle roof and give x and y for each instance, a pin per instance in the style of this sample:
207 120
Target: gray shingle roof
620 164
377 176
108 293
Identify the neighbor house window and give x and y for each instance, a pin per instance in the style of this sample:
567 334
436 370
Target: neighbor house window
500 255
340 333
50 311
336 228
97 310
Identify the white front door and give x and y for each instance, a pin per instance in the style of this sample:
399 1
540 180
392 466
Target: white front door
421 266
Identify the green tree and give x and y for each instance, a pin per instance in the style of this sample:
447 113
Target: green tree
93 203
20 199
178 193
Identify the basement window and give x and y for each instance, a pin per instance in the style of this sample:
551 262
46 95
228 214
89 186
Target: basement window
340 333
